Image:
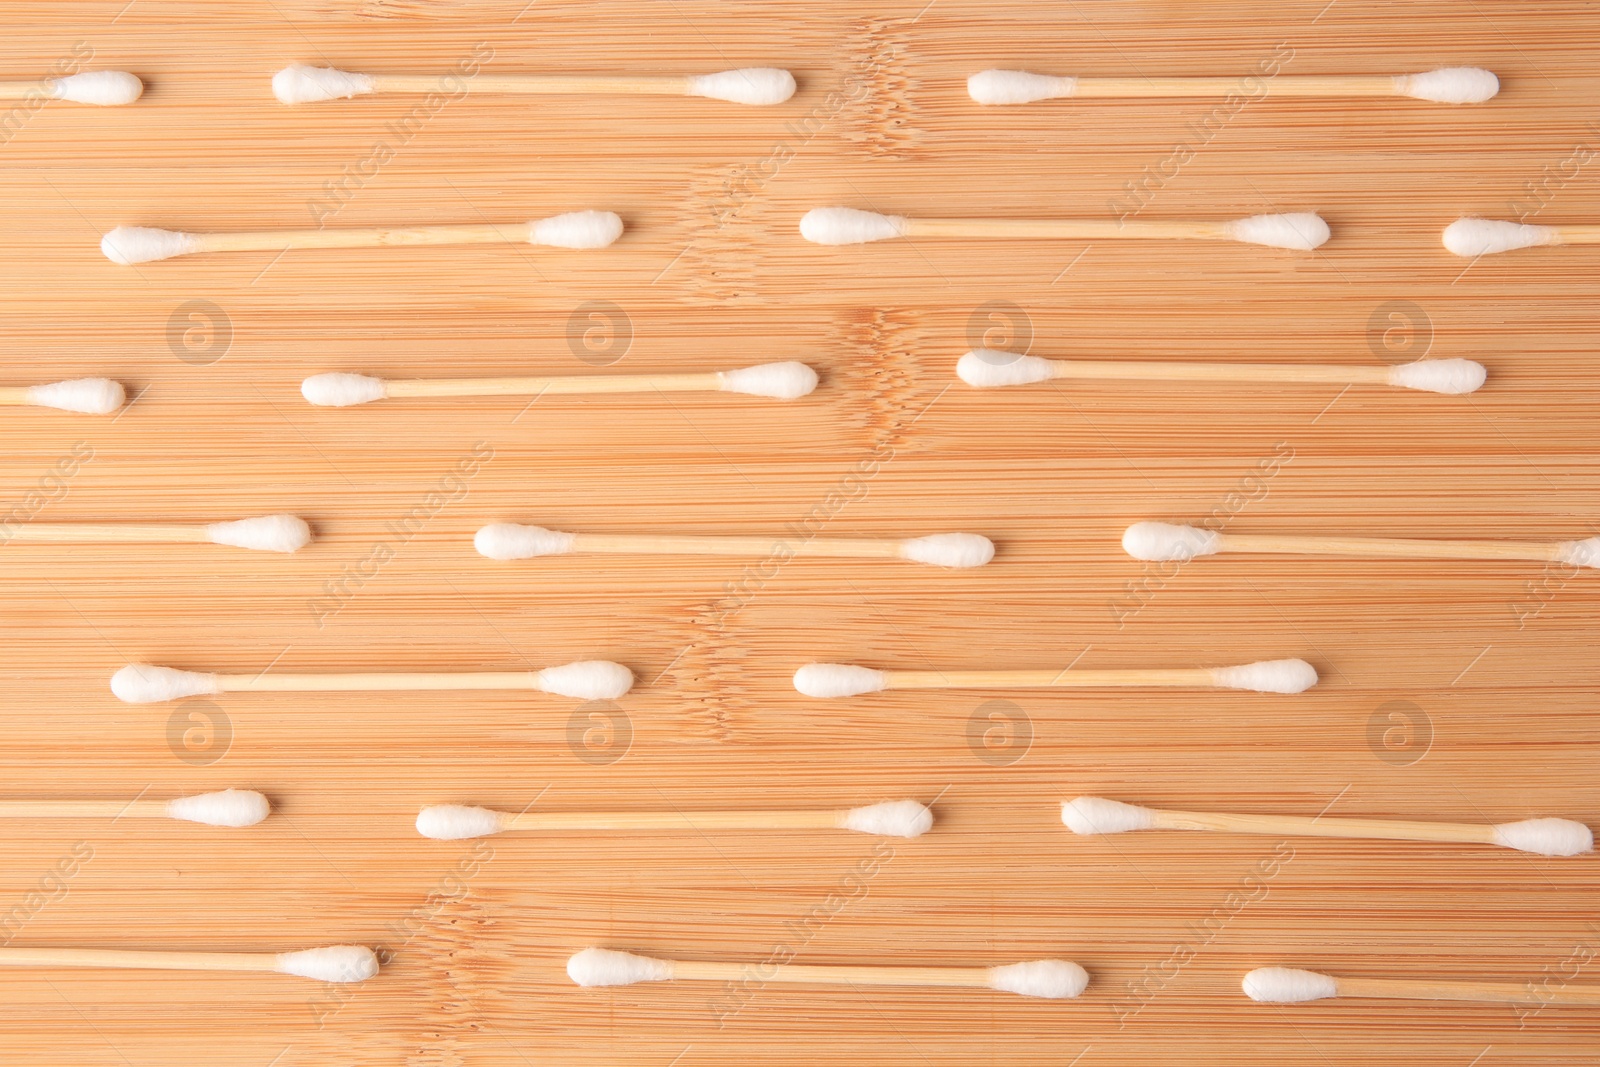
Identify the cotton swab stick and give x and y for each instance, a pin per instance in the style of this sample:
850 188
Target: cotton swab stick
894 818
987 368
1484 237
89 396
578 229
107 88
828 680
1301 231
508 540
1158 541
1289 985
337 963
231 807
781 381
1055 979
1547 837
1448 85
140 683
268 533
749 85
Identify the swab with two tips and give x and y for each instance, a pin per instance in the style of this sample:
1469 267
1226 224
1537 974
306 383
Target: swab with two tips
833 680
989 368
511 541
1161 541
1447 85
129 245
140 683
1053 979
1300 231
779 381
456 822
757 86
1547 837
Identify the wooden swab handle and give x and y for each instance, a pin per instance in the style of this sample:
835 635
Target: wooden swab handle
108 533
386 682
1394 547
673 820
598 383
274 240
138 960
1577 235
24 90
675 544
1286 85
1063 679
631 84
1307 826
83 809
1218 372
962 977
1480 992
1055 229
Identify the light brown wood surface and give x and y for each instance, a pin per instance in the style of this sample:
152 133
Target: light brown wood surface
1495 658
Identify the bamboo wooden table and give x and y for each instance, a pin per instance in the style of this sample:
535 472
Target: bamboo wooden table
1451 690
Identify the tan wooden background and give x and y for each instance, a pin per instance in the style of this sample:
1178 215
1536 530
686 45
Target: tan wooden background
1451 690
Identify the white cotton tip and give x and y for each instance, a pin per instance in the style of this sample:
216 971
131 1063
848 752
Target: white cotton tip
231 807
1096 815
829 681
1439 375
1450 85
1055 979
306 85
847 226
577 229
108 88
1163 541
1288 985
986 368
894 818
343 390
949 550
1585 553
457 822
510 540
1016 87
748 85
337 963
604 966
782 381
140 683
1484 237
91 396
594 679
1547 837
1299 230
269 533
128 245
1268 676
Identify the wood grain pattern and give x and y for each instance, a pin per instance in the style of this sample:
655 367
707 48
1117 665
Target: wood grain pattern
1451 691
